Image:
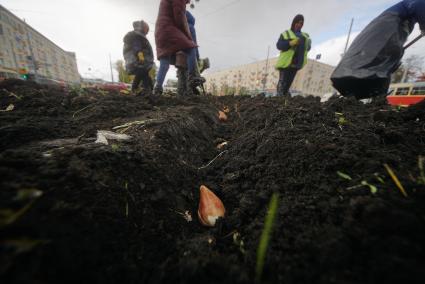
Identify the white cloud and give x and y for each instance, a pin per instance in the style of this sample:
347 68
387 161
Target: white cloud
331 50
228 34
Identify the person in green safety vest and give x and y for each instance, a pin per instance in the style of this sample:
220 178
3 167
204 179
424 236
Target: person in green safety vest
294 46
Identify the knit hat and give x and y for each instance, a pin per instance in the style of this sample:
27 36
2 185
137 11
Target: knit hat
139 25
297 19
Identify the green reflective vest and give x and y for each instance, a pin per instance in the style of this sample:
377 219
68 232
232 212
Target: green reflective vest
285 57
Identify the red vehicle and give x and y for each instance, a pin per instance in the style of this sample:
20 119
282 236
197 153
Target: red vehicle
7 73
405 94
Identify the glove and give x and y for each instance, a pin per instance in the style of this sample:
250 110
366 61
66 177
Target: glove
422 32
294 42
141 56
152 73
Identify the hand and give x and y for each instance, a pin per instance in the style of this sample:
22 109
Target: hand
294 42
152 73
141 56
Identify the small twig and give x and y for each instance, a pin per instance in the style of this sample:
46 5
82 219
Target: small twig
83 109
354 187
396 180
130 194
212 161
14 95
80 137
140 122
186 215
229 234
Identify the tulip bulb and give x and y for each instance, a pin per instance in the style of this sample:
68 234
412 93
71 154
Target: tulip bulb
210 207
222 116
222 145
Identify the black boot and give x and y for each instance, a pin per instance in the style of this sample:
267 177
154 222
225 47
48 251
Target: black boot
158 90
193 82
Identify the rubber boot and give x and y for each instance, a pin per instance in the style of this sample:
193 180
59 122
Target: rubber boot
137 91
158 90
279 89
193 82
181 82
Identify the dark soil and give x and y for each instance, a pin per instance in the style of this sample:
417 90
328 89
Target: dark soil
114 213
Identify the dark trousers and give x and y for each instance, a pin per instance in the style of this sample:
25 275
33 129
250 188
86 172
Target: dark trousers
286 77
142 75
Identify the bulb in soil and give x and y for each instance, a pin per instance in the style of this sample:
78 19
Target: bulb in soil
210 207
222 116
222 145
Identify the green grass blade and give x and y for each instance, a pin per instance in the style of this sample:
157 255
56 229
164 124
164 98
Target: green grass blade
343 175
265 235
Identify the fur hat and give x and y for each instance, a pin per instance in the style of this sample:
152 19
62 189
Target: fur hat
139 25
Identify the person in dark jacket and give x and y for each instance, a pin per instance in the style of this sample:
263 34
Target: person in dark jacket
365 69
294 46
172 35
139 58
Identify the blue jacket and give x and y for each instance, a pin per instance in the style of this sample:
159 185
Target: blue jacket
412 10
191 21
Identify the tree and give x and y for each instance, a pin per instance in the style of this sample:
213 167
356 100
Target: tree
227 90
214 89
411 68
243 91
421 77
123 76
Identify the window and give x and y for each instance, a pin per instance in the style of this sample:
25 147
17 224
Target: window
402 91
418 91
1 29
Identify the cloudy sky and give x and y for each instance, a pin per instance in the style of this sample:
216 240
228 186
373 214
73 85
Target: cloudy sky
230 32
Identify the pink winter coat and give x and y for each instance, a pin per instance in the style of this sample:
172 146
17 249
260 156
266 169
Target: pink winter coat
171 30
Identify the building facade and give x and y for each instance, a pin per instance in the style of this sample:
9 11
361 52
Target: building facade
313 79
23 49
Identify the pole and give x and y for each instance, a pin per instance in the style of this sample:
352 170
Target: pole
266 71
110 64
413 41
407 67
406 70
348 37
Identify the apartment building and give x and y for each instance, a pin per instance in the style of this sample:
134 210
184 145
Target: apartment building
22 48
313 79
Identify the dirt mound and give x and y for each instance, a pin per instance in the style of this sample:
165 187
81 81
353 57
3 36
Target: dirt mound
73 210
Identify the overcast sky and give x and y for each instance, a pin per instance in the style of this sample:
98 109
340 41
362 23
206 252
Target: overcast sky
230 32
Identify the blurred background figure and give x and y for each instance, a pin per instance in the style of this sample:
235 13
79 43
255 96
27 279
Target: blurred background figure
139 59
175 45
365 69
294 46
